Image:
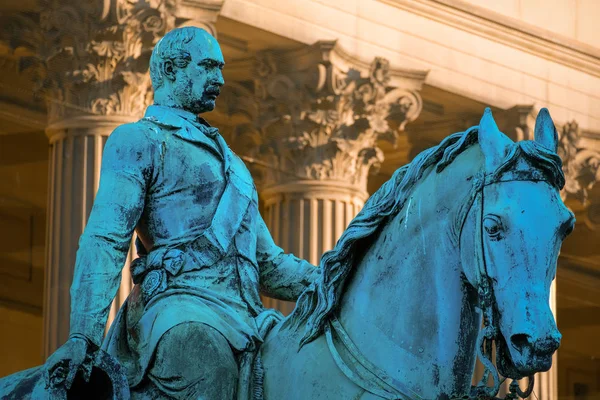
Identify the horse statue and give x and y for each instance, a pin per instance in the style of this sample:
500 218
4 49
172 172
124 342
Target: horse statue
470 229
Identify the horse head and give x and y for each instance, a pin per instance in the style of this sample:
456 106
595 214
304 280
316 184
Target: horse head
473 223
515 227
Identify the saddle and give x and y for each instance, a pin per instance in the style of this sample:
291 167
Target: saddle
250 383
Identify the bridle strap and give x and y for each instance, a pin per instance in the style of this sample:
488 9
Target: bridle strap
374 380
490 331
483 286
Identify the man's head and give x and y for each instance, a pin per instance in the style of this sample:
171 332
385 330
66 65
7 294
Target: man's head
185 68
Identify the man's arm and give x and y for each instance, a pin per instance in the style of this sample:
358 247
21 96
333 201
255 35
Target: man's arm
103 246
282 276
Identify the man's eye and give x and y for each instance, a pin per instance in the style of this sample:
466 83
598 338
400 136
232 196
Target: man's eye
211 64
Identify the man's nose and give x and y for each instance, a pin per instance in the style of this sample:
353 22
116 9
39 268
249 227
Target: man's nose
218 78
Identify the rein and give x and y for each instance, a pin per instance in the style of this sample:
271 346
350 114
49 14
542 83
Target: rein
359 370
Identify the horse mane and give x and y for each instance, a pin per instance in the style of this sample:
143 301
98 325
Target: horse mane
319 301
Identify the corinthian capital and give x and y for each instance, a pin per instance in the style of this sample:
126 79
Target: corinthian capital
96 54
321 112
92 57
581 164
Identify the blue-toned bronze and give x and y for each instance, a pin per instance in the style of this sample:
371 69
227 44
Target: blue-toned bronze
470 229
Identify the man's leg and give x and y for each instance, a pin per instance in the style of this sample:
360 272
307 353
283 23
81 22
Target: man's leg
192 361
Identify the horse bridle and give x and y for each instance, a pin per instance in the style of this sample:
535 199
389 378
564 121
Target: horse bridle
491 331
374 380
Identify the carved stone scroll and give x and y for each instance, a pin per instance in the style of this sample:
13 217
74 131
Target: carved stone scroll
320 113
581 164
96 55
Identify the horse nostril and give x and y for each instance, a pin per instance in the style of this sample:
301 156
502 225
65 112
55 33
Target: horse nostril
551 343
519 341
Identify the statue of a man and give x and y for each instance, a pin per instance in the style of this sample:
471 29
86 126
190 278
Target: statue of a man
205 250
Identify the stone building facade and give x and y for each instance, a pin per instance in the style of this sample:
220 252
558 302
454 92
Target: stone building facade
323 99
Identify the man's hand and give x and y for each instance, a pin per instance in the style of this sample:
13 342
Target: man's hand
69 359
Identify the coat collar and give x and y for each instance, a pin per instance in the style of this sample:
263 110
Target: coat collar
184 124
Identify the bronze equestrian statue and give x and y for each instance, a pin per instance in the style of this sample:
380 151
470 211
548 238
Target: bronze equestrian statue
470 230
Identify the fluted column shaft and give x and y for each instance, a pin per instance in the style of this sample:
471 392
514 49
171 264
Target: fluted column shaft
546 383
74 174
307 217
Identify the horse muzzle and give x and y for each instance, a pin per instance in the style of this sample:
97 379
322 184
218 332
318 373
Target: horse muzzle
525 356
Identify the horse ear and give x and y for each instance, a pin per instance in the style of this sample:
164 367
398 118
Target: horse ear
493 143
545 131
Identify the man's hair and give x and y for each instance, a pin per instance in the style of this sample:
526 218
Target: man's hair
172 47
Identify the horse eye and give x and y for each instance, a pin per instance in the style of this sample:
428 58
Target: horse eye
492 226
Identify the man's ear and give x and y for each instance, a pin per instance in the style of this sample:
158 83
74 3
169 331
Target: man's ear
168 70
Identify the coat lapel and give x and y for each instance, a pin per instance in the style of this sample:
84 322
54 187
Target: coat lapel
202 133
176 121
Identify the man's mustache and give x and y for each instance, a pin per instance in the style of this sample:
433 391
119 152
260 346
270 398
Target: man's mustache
212 90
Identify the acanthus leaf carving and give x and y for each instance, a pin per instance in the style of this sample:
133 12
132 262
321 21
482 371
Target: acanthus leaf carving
581 165
94 54
322 119
107 73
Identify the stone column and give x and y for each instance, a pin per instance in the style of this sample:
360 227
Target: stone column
307 217
313 138
95 60
74 172
546 383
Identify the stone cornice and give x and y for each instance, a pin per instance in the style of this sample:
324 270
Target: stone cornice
506 30
25 116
